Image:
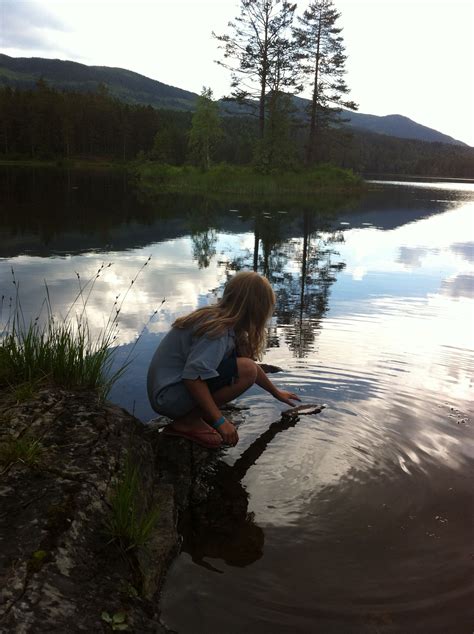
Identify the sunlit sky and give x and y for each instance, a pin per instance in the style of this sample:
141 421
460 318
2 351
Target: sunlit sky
409 57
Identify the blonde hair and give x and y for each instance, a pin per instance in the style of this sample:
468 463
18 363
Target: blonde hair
246 305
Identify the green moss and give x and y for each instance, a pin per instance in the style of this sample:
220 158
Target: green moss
36 561
117 621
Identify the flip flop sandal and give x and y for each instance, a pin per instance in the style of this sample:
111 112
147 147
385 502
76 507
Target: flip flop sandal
209 439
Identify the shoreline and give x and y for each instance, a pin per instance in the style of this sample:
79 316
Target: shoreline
79 163
59 559
244 180
240 181
133 166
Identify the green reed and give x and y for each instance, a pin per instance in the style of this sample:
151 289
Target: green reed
61 351
129 521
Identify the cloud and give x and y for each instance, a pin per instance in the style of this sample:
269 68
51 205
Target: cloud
459 286
465 250
25 25
413 256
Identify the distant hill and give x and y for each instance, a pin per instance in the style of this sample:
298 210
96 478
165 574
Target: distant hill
22 72
398 126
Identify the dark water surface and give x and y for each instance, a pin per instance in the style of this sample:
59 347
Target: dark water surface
357 519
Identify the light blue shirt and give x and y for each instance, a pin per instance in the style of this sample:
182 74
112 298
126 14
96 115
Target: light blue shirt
181 355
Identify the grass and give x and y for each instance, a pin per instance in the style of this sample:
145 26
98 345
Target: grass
25 450
24 392
60 351
130 523
231 179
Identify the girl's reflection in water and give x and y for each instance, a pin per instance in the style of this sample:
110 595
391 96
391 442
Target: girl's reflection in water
221 527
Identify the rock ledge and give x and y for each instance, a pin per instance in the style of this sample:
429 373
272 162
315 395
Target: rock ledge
59 570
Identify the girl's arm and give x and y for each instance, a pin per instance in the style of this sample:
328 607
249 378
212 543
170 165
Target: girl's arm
282 395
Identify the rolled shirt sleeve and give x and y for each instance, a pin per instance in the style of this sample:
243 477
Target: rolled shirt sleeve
204 357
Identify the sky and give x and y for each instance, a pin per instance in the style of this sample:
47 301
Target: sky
409 57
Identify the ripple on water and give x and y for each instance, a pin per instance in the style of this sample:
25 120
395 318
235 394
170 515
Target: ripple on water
362 514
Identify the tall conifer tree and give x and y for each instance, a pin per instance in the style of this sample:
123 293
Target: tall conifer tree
259 52
322 58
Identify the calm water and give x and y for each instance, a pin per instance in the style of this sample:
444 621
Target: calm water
358 519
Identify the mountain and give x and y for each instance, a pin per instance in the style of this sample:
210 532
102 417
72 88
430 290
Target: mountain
23 72
398 126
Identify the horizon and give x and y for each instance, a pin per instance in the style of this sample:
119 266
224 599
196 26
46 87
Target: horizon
431 79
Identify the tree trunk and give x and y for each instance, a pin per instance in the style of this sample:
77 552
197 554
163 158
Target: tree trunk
263 81
261 112
304 268
255 247
314 103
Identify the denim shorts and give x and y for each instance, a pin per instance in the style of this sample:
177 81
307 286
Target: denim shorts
175 400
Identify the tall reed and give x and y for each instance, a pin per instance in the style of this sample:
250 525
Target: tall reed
62 351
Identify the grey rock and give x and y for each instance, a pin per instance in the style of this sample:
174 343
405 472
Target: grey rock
59 571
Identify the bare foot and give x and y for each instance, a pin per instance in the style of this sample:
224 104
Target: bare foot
187 422
195 429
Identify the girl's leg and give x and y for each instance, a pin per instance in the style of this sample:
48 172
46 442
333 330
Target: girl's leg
247 370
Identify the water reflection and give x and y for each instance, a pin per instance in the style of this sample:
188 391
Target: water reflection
49 212
459 286
221 527
465 249
341 519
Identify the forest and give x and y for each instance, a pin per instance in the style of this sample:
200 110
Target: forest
47 124
272 55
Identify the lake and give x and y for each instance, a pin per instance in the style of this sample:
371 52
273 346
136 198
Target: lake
354 520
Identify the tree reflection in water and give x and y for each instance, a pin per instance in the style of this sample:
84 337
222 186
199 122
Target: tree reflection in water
302 294
202 221
221 527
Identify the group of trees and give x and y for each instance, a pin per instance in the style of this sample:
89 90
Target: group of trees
46 123
273 57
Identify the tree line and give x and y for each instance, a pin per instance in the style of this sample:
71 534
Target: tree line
272 55
49 124
270 59
46 123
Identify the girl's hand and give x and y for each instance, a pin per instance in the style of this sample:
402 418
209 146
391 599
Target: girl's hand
286 397
228 433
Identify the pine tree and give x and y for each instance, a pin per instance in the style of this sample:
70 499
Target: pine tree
322 62
259 52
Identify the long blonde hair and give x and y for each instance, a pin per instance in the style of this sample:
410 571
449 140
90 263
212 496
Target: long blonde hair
246 305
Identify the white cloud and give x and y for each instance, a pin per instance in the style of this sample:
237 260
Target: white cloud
28 25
